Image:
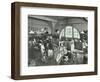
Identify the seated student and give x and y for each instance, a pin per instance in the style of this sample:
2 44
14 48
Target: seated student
72 45
67 58
64 60
42 48
85 59
69 54
50 48
45 31
85 46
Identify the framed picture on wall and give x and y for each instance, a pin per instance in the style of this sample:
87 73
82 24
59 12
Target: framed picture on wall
51 40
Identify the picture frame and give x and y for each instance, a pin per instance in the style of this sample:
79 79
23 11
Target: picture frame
25 17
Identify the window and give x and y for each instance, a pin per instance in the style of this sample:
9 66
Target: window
76 33
70 32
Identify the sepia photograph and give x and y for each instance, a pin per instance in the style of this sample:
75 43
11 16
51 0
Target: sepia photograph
57 40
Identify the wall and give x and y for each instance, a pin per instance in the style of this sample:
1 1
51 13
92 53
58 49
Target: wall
36 24
78 23
5 41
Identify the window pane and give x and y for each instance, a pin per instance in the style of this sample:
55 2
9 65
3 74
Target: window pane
76 33
68 32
